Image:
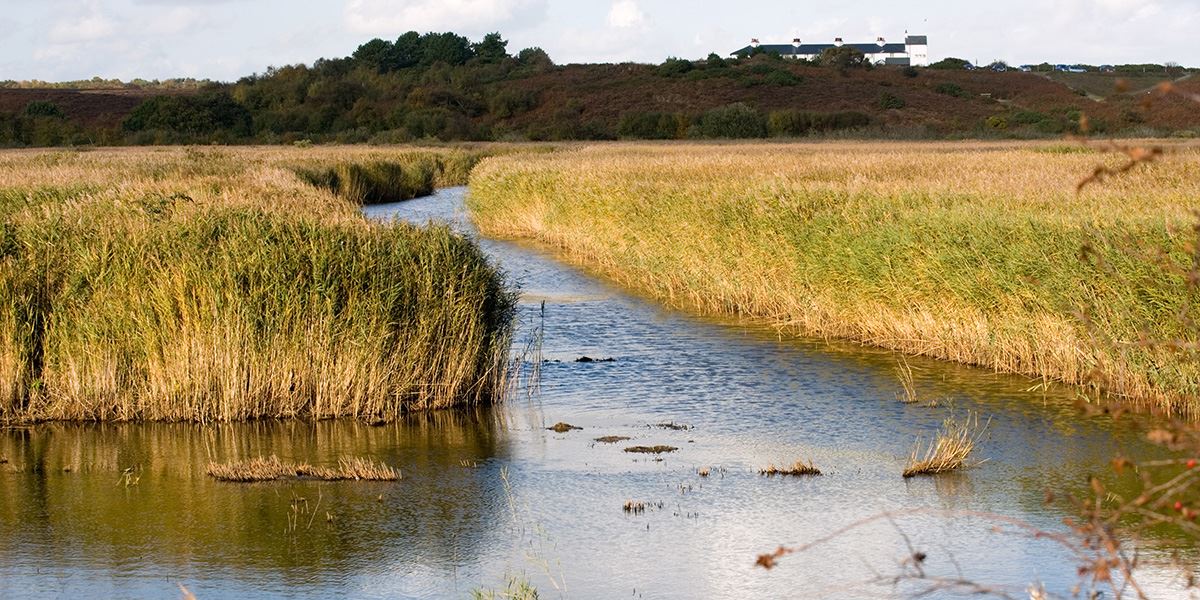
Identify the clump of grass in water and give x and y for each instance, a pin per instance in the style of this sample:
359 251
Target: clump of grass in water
257 469
905 374
949 450
612 439
273 469
516 588
798 469
651 449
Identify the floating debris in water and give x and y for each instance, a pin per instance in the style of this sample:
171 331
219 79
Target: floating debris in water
797 469
588 359
651 449
673 426
130 476
564 427
612 439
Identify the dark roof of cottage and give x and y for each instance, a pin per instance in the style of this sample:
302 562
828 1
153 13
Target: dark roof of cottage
810 49
917 40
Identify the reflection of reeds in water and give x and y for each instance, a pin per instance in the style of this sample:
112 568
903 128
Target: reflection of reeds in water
797 469
272 468
949 450
529 361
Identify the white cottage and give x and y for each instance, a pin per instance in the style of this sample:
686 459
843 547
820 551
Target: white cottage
914 51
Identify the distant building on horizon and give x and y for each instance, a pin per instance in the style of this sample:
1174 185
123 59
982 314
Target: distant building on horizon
913 52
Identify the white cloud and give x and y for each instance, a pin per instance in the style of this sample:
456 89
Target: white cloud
87 28
393 17
625 14
179 20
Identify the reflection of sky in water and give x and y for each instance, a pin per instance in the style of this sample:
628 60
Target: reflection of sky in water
753 399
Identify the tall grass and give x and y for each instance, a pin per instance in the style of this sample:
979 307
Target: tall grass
206 285
397 178
966 252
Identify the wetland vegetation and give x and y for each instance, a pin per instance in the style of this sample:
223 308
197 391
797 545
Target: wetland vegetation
215 285
980 253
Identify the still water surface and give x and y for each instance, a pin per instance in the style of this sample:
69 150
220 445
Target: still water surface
491 493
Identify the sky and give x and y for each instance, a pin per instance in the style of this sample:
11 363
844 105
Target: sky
59 40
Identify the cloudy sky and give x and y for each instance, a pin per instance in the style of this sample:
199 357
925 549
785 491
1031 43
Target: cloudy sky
224 39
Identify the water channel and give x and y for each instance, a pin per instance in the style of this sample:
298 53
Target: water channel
491 493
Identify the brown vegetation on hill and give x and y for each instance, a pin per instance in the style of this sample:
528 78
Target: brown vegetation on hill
93 108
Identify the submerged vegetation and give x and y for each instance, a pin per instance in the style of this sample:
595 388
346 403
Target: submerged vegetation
213 285
982 254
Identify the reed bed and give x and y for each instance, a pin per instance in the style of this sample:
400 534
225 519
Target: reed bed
214 285
949 450
977 253
378 181
255 470
356 469
273 469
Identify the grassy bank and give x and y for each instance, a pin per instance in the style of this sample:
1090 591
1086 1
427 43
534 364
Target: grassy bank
379 180
212 284
966 252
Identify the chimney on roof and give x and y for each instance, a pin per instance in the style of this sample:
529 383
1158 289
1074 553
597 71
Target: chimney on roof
796 43
753 42
837 41
882 42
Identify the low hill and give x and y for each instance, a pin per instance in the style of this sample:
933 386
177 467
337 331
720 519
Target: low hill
442 86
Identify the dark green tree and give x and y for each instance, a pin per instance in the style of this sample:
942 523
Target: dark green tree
376 54
492 49
407 52
448 47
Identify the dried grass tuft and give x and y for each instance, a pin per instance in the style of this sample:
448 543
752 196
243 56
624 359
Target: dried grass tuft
949 450
257 469
798 468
